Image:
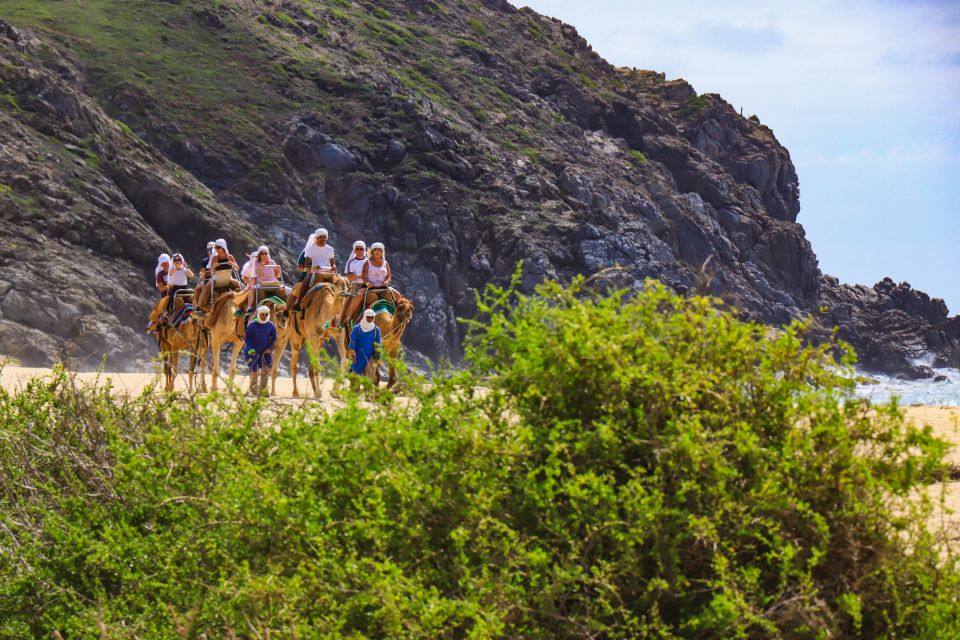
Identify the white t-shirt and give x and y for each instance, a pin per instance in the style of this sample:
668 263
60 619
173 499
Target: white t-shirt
177 277
355 266
319 256
377 275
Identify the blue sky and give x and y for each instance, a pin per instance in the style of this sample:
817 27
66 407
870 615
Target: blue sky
864 94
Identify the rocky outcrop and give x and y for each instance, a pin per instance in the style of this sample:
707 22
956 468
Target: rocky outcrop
894 328
86 207
465 140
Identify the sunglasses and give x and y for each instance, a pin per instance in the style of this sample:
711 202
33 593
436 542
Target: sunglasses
177 260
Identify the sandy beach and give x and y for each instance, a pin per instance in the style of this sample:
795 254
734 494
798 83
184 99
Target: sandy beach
14 377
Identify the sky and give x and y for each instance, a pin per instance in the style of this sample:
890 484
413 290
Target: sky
864 94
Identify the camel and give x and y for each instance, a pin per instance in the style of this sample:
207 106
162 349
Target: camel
222 329
313 329
173 340
230 328
392 326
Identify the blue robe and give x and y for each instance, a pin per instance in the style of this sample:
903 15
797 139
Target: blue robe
364 344
260 337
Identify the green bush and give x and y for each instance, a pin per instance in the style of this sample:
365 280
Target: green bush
604 466
637 157
477 26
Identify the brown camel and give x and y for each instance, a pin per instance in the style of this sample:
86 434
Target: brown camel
173 340
312 330
392 327
221 326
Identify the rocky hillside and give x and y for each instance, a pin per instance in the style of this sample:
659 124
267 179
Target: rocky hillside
464 134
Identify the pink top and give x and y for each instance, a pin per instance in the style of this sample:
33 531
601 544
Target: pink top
269 272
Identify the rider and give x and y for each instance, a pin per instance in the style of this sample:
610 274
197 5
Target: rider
203 274
177 277
264 272
161 273
354 272
321 263
377 276
220 256
161 279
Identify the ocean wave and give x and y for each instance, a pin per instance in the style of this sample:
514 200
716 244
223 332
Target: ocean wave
944 393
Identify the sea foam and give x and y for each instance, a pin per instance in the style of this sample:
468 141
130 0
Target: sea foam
945 393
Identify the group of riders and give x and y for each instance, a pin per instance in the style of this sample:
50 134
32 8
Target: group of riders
367 274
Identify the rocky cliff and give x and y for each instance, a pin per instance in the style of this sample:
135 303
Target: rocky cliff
466 135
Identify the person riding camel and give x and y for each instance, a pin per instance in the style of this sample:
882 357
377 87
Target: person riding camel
377 276
246 272
364 343
161 273
203 273
320 265
177 278
258 347
264 272
354 272
220 256
161 280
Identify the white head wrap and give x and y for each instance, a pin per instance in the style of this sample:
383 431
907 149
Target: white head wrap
160 260
367 324
379 245
321 232
211 245
222 244
361 244
263 309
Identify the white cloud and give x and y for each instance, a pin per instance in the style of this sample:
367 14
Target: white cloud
891 157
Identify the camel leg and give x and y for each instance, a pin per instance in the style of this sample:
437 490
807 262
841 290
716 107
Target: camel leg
339 337
294 358
233 360
214 362
392 380
174 364
193 370
313 368
202 362
167 373
275 371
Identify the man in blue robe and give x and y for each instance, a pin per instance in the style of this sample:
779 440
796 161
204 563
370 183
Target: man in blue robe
261 336
364 343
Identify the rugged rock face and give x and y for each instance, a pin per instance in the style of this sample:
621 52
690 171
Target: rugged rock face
894 328
466 135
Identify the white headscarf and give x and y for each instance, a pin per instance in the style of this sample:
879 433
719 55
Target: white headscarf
261 310
163 257
367 325
222 243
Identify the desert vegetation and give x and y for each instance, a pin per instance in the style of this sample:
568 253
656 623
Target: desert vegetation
605 466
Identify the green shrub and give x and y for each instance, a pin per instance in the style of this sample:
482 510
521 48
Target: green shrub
531 154
637 157
604 467
469 44
587 80
477 26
